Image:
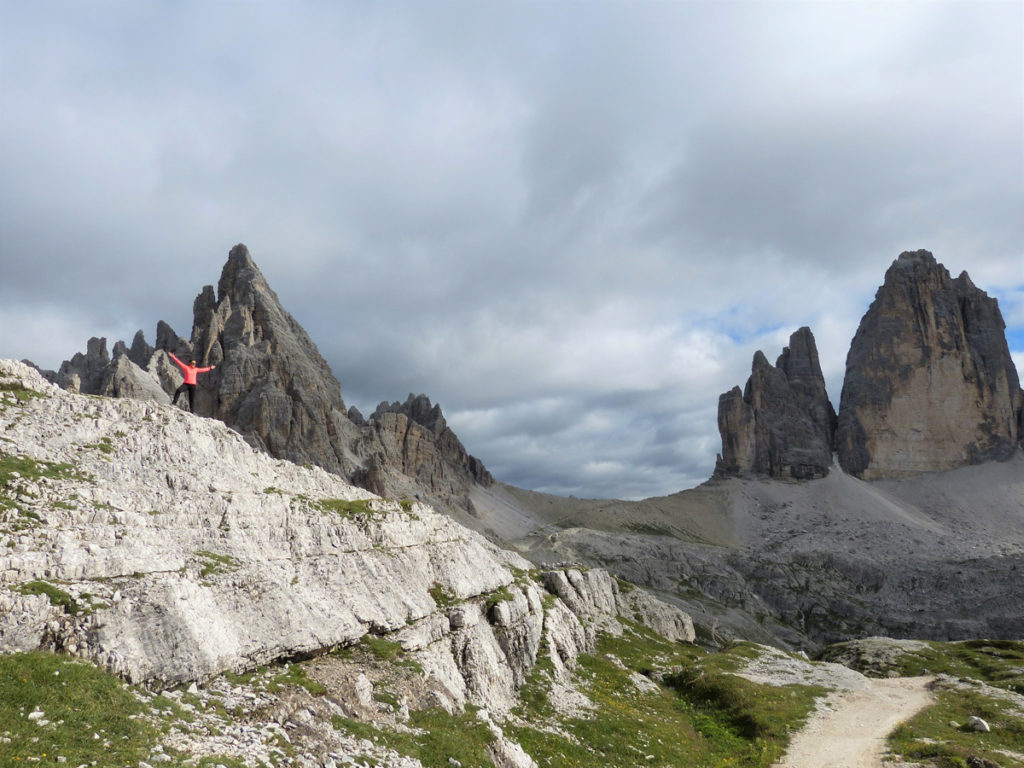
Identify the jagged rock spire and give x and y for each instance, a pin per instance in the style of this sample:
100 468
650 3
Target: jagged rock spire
782 424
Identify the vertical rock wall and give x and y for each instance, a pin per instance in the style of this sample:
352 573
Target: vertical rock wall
782 424
929 384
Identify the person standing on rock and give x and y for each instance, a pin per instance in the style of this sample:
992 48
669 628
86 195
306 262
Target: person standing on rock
189 385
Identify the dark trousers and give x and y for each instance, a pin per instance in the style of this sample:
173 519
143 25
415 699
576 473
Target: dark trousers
191 396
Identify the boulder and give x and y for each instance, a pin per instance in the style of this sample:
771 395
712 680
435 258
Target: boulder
930 385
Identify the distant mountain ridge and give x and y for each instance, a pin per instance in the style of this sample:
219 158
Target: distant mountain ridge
930 386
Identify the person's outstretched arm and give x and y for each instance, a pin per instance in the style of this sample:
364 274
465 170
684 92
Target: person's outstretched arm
175 359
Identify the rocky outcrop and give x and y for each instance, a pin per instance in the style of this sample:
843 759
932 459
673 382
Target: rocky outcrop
272 385
782 424
139 373
165 548
929 383
415 439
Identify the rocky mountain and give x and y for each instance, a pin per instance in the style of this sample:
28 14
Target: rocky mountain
163 547
272 385
929 383
929 386
782 424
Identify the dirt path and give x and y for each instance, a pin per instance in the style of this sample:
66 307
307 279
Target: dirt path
849 728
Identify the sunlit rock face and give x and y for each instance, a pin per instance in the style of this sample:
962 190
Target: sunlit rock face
929 384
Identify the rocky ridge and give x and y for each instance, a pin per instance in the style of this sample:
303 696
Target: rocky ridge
163 547
929 387
272 385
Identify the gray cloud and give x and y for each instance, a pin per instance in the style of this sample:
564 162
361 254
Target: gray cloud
570 224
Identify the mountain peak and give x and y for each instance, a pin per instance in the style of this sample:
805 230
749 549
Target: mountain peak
929 383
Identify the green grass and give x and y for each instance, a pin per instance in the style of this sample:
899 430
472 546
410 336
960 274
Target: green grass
33 469
997 662
442 597
79 700
213 563
382 649
21 395
295 675
702 716
499 596
444 736
355 508
930 735
57 597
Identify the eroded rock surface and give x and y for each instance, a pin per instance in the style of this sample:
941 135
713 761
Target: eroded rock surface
782 424
930 384
162 546
272 385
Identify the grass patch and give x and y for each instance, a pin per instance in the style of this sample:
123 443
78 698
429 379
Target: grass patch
11 467
499 596
21 395
296 676
78 700
462 737
213 563
442 597
104 445
997 662
58 597
703 716
930 735
384 650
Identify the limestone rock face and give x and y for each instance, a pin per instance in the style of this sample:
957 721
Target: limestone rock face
414 438
930 384
187 553
782 424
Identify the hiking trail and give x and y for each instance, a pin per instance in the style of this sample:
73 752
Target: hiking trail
849 727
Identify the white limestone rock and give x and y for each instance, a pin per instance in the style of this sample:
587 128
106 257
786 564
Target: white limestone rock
182 552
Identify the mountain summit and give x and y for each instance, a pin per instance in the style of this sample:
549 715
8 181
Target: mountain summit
272 385
929 386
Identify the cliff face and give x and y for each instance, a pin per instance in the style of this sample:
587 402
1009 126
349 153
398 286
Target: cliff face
929 386
929 383
782 424
272 385
176 551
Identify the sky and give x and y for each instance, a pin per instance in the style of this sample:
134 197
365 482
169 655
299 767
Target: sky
569 223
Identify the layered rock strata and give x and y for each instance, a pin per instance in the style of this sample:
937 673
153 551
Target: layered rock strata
162 546
782 424
930 384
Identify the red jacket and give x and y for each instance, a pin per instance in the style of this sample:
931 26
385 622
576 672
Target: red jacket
190 371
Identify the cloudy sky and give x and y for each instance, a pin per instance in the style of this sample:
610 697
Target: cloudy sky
570 223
